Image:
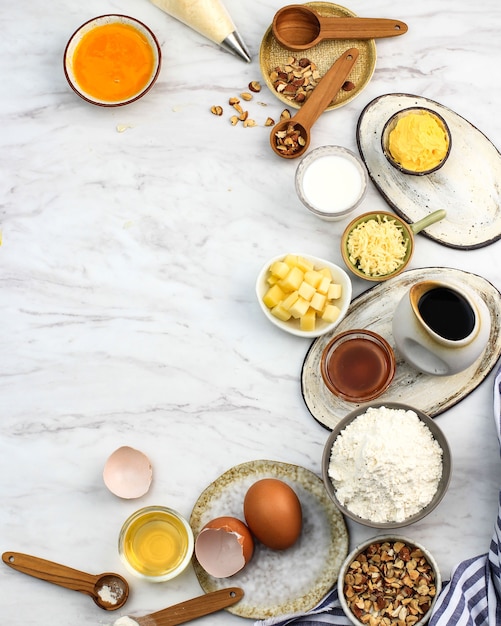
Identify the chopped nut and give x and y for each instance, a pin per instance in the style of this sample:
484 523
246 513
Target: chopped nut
269 122
238 108
243 116
255 86
234 100
246 96
379 589
296 79
234 120
290 140
285 115
249 122
216 110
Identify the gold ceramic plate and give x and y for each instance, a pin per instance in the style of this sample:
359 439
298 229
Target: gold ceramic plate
272 54
373 310
277 582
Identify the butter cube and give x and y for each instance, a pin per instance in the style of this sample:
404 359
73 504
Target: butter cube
308 321
291 260
306 290
279 269
273 296
323 286
279 312
331 313
304 264
289 300
335 291
325 271
318 301
299 308
292 281
313 278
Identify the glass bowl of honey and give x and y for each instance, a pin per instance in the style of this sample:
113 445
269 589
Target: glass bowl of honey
112 60
357 365
156 543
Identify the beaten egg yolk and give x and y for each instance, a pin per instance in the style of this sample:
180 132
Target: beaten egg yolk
418 142
113 62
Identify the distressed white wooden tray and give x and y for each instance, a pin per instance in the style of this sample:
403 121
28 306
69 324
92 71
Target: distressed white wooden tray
467 186
374 310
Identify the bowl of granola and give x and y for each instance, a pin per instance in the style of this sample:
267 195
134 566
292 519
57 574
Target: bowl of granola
388 581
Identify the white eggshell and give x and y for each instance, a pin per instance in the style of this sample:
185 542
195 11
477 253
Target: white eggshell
128 473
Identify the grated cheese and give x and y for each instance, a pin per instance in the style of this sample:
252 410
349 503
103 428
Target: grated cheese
377 246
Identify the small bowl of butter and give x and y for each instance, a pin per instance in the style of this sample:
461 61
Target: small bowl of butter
416 141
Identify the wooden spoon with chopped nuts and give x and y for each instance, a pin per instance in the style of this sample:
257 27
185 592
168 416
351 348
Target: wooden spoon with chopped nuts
290 138
298 27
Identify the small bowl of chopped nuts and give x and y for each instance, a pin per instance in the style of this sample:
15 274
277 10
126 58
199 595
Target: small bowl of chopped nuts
389 580
386 465
303 295
379 246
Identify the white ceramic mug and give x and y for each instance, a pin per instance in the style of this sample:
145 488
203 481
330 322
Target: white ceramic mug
441 328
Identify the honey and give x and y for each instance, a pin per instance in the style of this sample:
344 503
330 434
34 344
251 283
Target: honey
156 543
113 62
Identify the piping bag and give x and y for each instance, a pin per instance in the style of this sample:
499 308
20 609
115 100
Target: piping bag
209 18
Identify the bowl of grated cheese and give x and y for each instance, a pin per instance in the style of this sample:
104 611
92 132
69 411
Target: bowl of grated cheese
386 465
379 246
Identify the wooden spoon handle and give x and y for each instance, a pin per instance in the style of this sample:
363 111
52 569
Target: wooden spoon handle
360 27
51 572
326 89
191 609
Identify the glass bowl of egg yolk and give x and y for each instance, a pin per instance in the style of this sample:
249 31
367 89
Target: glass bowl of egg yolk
416 141
112 60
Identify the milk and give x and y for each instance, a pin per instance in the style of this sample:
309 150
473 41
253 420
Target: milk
332 183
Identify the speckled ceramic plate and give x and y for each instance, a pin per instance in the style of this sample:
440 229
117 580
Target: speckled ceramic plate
374 310
467 186
277 582
272 54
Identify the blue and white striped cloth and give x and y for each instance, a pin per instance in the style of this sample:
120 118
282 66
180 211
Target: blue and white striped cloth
472 597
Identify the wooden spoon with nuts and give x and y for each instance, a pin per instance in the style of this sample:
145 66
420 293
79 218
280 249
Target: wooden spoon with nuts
290 138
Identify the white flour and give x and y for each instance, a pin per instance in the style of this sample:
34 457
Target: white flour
385 465
125 621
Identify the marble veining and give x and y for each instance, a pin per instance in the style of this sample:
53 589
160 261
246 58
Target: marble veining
131 240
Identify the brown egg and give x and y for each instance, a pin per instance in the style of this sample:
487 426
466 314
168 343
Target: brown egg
272 511
224 546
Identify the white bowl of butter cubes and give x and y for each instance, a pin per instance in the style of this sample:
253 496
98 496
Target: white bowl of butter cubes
302 294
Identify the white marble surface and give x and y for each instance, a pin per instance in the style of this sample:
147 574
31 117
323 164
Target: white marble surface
127 270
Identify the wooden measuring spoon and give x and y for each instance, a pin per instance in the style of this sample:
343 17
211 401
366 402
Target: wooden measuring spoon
191 609
316 104
109 591
298 27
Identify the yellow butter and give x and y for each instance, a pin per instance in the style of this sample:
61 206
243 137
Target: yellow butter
418 142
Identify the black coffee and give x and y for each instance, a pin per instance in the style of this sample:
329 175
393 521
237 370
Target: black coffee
447 313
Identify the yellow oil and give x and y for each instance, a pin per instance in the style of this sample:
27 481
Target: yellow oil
155 543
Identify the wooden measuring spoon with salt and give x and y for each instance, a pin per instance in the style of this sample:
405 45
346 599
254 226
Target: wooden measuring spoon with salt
298 27
290 138
109 591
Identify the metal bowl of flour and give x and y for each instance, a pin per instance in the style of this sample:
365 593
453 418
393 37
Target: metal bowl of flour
386 465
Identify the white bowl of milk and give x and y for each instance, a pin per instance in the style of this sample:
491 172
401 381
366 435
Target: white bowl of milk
331 181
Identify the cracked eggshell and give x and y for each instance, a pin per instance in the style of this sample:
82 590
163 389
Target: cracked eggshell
128 473
224 546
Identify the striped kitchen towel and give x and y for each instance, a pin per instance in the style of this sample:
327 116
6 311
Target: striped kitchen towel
472 597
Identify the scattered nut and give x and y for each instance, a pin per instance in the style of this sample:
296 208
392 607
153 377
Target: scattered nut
348 86
233 101
243 116
216 110
378 587
255 86
234 120
285 115
249 122
269 122
246 96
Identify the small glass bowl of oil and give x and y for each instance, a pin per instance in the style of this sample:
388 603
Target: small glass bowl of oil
156 543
